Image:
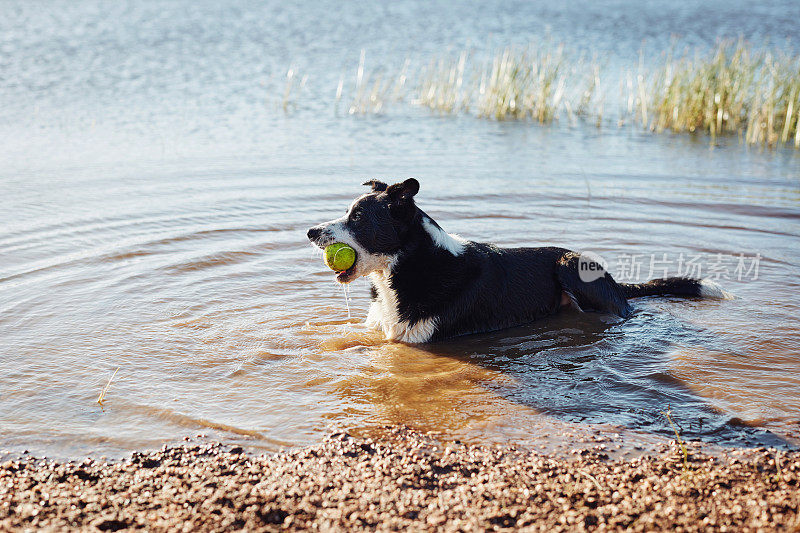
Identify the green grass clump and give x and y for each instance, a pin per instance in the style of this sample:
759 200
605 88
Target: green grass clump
522 84
730 90
441 85
528 83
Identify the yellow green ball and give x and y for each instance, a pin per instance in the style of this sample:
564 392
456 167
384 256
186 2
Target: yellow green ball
339 256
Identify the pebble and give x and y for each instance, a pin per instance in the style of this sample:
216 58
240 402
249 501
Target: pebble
402 480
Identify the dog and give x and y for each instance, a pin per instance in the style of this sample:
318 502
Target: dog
429 285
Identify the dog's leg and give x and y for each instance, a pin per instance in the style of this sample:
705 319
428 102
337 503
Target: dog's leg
567 300
373 320
375 312
602 294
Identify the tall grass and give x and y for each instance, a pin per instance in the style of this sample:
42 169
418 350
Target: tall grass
729 90
529 83
290 95
522 84
441 86
373 92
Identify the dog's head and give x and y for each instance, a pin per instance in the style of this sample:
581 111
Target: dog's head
376 226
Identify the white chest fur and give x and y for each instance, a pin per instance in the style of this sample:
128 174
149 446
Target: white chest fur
383 314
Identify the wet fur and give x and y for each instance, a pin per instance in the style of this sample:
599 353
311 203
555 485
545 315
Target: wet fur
428 285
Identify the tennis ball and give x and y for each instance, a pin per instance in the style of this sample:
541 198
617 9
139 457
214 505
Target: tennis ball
339 256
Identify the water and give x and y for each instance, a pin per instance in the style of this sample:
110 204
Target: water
155 200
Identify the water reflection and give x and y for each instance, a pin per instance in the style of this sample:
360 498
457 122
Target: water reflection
576 367
154 209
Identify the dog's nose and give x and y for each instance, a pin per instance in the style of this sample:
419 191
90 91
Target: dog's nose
314 233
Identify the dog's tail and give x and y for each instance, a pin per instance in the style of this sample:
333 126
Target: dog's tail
678 286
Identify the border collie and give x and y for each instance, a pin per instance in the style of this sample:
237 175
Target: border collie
428 285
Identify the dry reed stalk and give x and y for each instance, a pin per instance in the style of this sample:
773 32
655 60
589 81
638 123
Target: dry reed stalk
105 389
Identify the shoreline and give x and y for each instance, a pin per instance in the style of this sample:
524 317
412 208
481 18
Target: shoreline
400 480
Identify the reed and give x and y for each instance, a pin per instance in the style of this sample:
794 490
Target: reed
292 89
523 83
681 444
513 84
105 389
441 86
732 89
375 91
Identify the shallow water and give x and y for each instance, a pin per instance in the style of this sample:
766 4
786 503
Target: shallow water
155 204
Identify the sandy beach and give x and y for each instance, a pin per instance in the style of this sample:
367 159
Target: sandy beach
403 480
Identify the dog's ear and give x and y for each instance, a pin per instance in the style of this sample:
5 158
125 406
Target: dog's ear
401 199
377 185
403 192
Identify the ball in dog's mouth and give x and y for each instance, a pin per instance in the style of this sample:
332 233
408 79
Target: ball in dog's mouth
342 259
339 256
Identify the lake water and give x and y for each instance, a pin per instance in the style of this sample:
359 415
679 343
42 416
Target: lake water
155 199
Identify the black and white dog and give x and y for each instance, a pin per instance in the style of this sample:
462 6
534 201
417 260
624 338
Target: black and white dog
429 285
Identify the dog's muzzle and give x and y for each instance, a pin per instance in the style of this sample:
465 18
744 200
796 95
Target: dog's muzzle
321 237
314 234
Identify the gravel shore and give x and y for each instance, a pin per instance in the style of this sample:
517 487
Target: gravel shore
404 480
